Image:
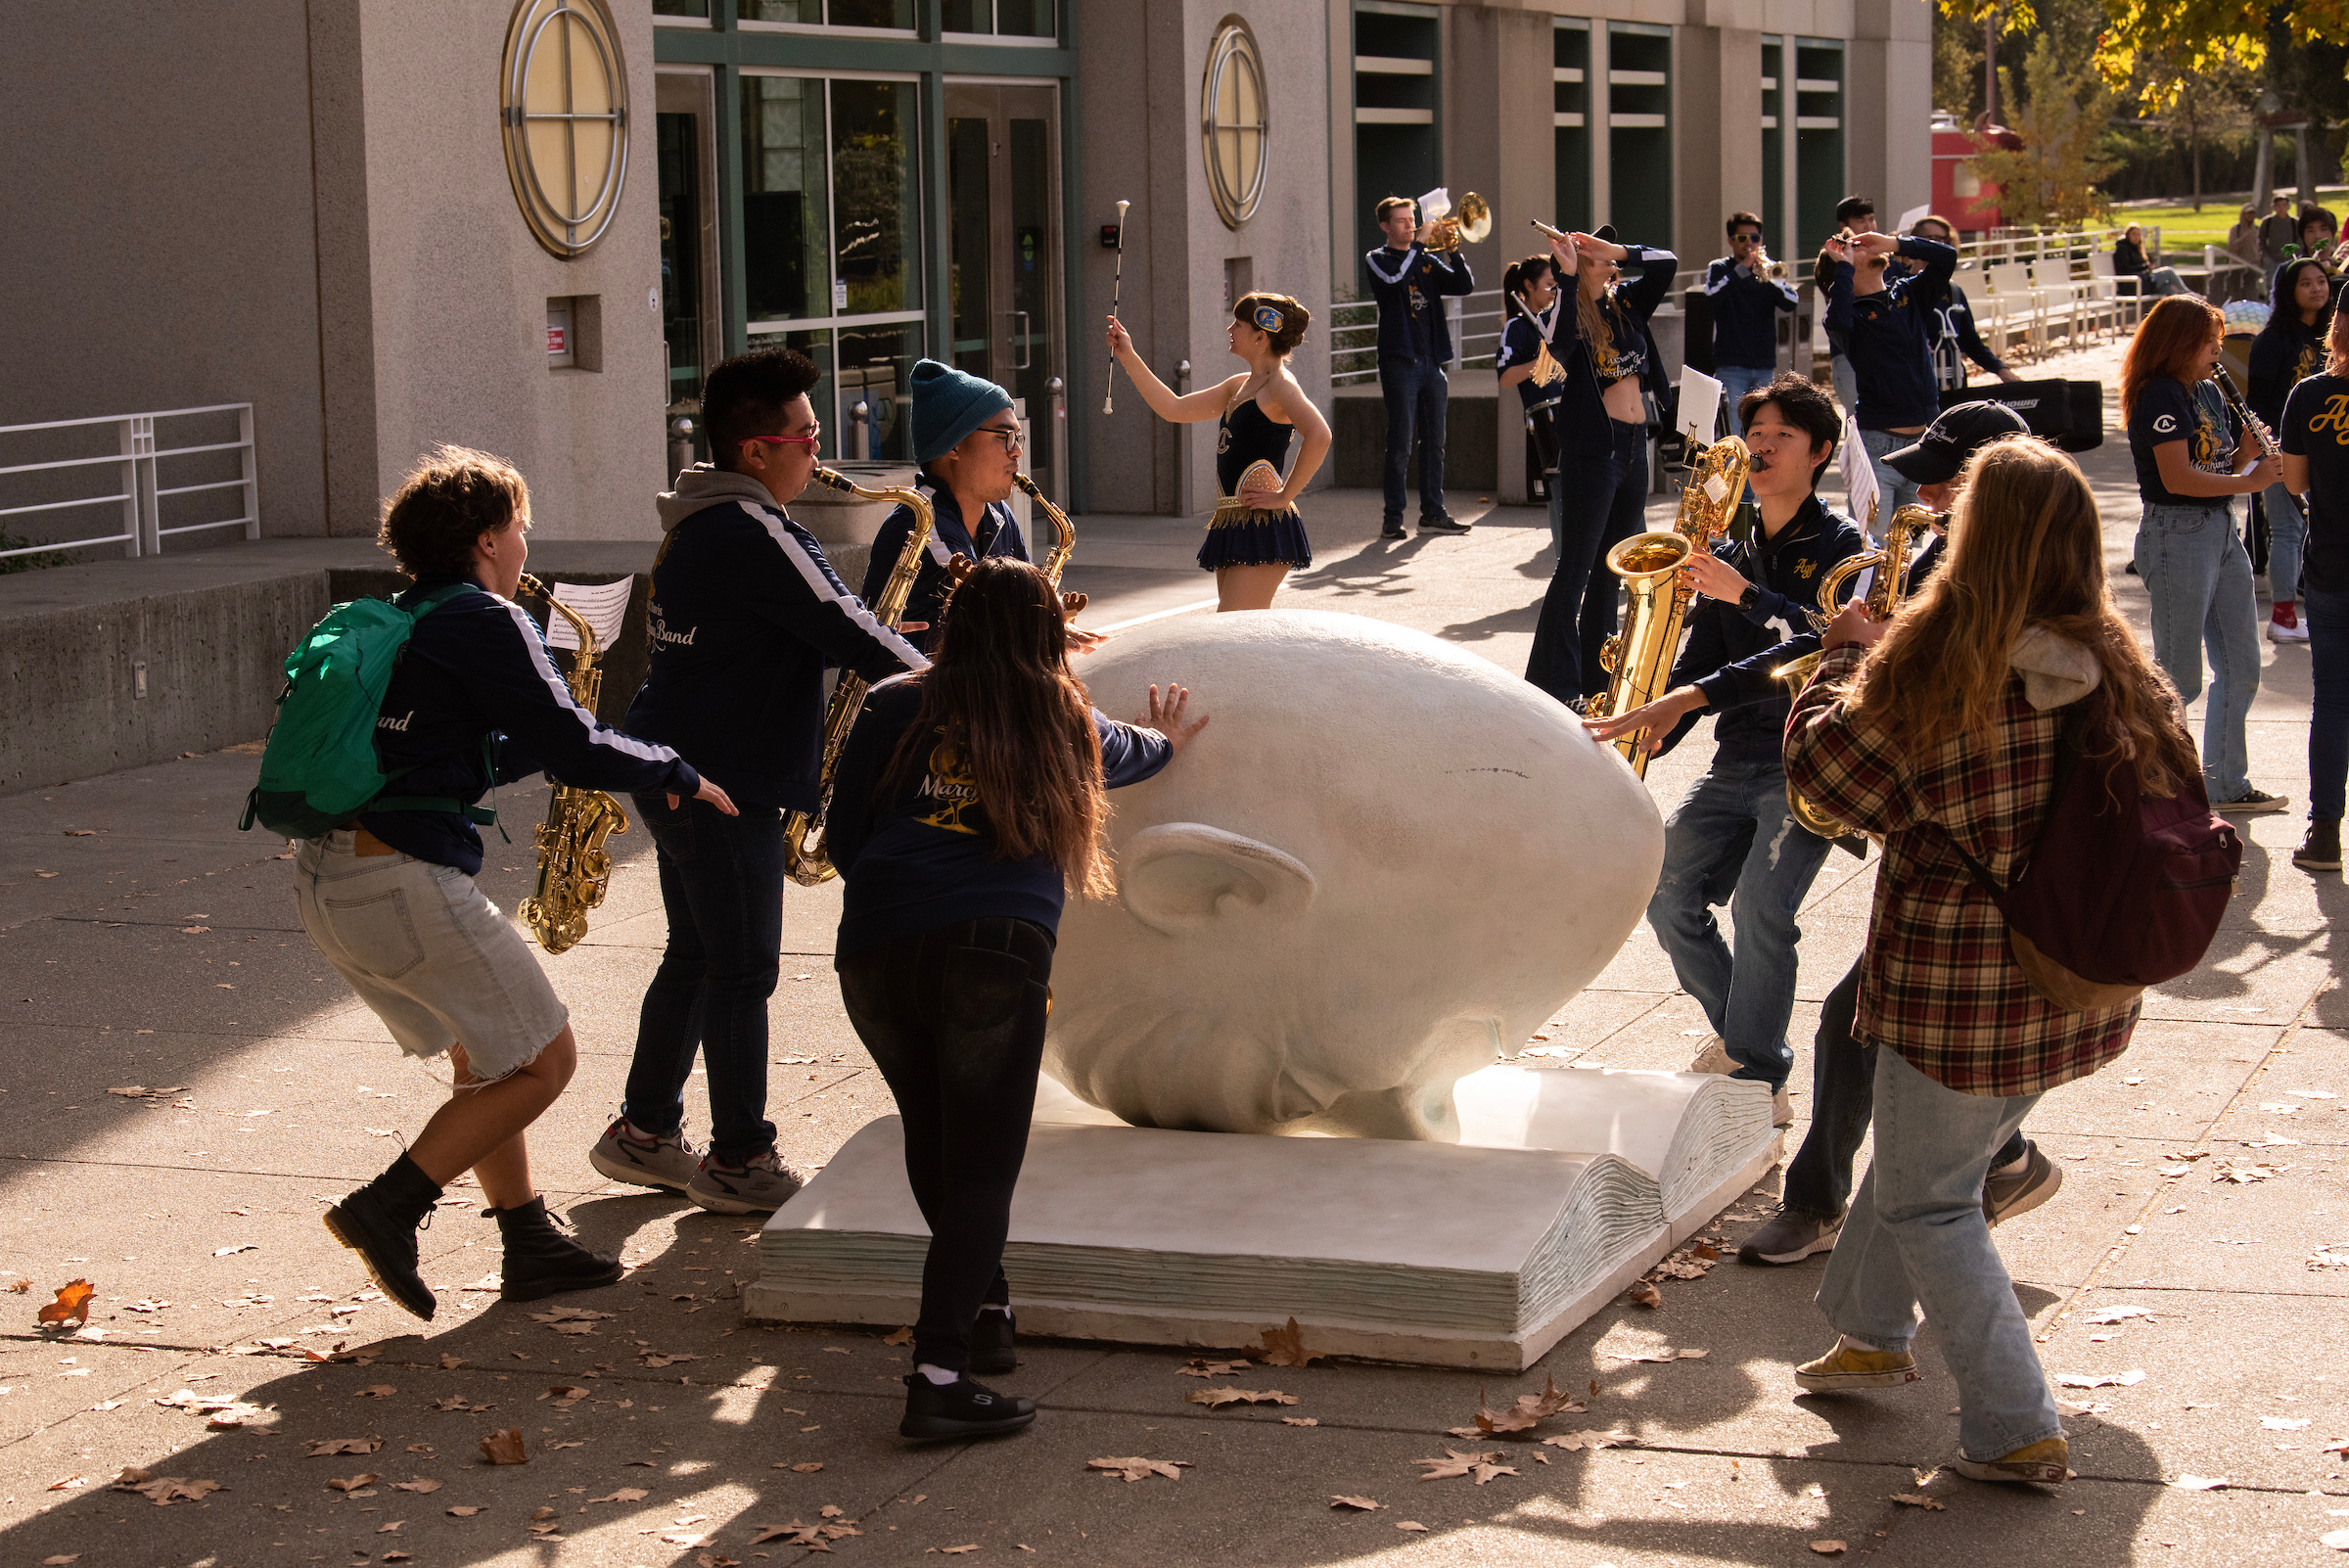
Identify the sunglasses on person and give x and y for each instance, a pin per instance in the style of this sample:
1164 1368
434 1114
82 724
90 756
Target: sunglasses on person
815 434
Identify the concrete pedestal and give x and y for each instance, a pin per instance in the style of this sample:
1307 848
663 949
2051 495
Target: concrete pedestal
1568 1184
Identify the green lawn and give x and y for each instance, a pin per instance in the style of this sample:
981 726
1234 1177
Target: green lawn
2183 228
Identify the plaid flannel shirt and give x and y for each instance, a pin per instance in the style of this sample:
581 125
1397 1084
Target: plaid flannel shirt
1937 982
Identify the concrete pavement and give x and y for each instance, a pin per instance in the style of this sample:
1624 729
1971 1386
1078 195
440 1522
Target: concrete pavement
146 944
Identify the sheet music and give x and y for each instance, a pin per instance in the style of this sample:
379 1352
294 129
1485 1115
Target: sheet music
1858 476
604 606
1700 405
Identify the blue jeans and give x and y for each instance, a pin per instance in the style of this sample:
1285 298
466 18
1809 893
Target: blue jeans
1738 379
1733 840
1896 491
2328 613
2199 578
721 885
1601 499
2287 539
1917 1238
1843 1099
1846 381
1416 395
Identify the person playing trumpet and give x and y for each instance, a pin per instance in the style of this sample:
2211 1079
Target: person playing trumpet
1747 292
1414 344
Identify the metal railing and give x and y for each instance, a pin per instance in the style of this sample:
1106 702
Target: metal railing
131 477
1476 320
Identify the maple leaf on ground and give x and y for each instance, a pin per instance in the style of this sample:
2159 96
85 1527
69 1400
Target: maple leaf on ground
656 1359
1215 1398
353 1483
623 1495
562 1315
1479 1464
1365 1504
1137 1469
903 1336
461 1511
456 1402
69 1308
1285 1347
1587 1440
1207 1368
1917 1499
1412 1525
505 1447
320 1450
1529 1408
1646 1295
377 1391
421 1485
171 1489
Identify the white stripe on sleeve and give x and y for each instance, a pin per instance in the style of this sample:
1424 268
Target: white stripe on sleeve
560 690
819 581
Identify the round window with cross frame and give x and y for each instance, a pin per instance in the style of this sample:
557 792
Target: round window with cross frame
1234 129
563 100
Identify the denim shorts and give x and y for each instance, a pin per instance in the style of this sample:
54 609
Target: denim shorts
428 954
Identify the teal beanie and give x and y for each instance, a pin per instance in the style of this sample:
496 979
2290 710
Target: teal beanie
947 405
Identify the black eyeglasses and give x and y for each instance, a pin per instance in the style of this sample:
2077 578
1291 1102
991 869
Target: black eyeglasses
1012 439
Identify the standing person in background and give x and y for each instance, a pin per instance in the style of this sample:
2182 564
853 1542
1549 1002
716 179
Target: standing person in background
967 442
1529 290
1256 537
744 613
969 802
2191 463
2315 435
1409 282
1884 320
1745 311
2243 241
1940 730
1950 320
2289 350
1854 215
388 897
1601 341
2276 230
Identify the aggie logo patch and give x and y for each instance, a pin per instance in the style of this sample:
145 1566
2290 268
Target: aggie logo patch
2165 424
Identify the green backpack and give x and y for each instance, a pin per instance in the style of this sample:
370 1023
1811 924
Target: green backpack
320 767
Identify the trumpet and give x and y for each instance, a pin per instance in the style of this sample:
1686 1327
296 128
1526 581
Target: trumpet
803 857
1765 265
1885 591
1470 224
574 870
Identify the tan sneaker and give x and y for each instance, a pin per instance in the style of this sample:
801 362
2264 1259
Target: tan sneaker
2047 1464
1714 1058
1849 1366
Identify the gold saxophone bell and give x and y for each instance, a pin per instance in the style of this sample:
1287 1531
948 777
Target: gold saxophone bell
804 859
1640 656
1064 533
574 870
1468 223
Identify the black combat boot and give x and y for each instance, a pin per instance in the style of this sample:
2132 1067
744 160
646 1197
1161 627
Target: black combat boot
540 1259
379 1221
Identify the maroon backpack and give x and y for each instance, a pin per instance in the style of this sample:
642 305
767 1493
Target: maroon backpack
2121 890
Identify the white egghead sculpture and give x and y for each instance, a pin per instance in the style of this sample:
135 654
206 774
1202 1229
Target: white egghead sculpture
1385 860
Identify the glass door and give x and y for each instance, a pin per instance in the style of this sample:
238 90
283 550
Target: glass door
686 155
1003 228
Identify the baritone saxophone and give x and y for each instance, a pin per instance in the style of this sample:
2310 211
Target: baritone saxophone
574 870
1652 567
804 859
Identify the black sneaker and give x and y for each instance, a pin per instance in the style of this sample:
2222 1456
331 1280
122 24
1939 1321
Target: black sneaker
1392 529
2321 851
961 1409
993 1341
1789 1238
542 1261
2008 1193
2252 802
386 1247
1442 524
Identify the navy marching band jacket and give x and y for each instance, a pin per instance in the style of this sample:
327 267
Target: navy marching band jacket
1745 315
1888 337
1408 283
998 534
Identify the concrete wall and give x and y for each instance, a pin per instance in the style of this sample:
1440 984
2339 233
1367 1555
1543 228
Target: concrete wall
459 287
160 248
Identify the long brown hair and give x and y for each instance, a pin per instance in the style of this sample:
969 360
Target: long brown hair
999 692
2173 337
1599 318
2025 549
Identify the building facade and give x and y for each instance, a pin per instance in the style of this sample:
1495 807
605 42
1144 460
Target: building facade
530 225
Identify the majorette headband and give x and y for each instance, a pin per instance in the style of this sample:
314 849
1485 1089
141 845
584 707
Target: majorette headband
1268 317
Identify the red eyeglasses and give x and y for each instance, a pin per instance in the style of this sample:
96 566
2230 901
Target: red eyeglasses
808 440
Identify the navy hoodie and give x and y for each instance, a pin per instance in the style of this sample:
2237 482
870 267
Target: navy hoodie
1888 337
924 856
477 667
2286 351
998 534
1745 314
745 614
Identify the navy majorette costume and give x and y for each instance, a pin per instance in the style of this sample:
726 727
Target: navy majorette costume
1525 341
1248 438
998 532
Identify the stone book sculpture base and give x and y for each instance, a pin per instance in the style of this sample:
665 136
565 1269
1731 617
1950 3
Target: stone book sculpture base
1566 1186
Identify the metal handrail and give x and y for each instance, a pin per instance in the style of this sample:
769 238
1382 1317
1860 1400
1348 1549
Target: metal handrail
1358 341
140 493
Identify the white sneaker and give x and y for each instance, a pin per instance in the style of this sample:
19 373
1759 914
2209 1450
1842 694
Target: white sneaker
2277 632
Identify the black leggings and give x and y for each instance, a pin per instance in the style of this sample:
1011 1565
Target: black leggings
954 1018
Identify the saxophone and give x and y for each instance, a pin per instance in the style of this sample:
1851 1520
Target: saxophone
803 857
1640 656
575 871
1064 535
1885 591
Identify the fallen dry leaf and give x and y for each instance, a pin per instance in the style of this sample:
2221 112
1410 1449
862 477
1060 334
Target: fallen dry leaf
2199 1483
1285 1347
1299 1420
1135 1468
19 1287
461 1512
1215 1398
505 1447
903 1336
1366 1505
171 1489
419 1486
449 1363
952 1551
2100 1379
1204 1368
353 1483
72 1481
69 1308
375 1391
1479 1464
1917 1499
2243 1173
1587 1440
1827 1549
654 1358
387 1528
623 1495
332 1445
1529 1408
807 1468
1646 1295
794 1534
1412 1525
456 1402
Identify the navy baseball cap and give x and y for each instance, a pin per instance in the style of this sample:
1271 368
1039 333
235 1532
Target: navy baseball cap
1936 456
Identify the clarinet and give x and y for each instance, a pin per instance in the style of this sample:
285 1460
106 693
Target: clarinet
2243 412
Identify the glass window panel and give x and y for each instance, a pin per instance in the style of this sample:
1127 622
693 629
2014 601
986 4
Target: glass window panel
1026 19
872 14
816 345
680 181
970 16
873 197
681 8
968 234
779 10
876 370
1032 273
785 231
